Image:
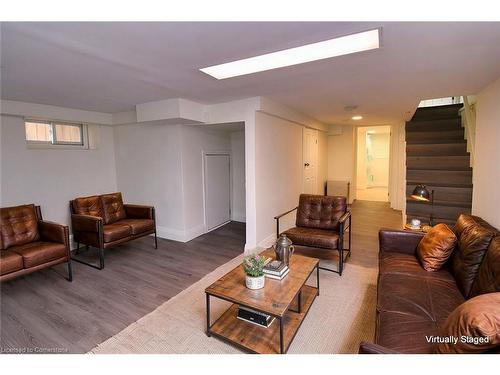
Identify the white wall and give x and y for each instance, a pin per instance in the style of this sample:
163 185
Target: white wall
397 168
278 172
322 161
238 176
486 171
341 156
51 177
162 165
148 168
196 140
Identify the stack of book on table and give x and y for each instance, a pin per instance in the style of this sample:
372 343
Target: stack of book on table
276 270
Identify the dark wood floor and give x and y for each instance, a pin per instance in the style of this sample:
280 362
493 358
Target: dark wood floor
44 312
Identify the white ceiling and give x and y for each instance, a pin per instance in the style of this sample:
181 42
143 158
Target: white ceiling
110 67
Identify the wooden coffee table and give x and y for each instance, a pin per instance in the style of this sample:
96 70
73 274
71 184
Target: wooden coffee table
287 300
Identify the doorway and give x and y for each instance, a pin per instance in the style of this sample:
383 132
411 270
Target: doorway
217 174
310 160
372 163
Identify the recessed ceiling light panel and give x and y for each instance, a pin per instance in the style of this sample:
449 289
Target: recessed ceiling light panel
357 117
344 45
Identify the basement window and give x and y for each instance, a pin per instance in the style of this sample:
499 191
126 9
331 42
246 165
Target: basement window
55 134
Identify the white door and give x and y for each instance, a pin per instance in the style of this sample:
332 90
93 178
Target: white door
217 190
310 160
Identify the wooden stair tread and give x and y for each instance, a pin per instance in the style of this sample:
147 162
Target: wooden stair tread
440 202
443 184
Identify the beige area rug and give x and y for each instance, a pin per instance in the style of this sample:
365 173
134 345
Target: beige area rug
339 319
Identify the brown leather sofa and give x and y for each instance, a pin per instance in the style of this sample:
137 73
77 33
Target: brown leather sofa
29 244
413 303
103 221
321 223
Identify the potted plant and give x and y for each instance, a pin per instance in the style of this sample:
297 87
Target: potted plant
253 265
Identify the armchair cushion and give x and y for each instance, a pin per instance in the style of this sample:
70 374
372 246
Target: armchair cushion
10 262
116 231
138 226
320 212
18 225
38 252
88 206
312 237
113 207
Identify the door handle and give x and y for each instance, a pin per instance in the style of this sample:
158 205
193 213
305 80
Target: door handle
306 164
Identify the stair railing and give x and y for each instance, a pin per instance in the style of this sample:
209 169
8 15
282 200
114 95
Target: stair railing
468 115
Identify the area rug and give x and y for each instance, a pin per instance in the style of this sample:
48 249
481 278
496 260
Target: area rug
340 318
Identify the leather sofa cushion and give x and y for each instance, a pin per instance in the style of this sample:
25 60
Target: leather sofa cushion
36 253
428 298
436 247
138 226
89 206
406 264
113 207
312 237
488 278
320 212
477 317
411 306
474 236
404 333
18 225
10 262
116 231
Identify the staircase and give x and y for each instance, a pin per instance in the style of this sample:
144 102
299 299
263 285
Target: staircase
436 156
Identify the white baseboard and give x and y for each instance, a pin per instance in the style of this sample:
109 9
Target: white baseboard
180 235
239 217
194 232
267 242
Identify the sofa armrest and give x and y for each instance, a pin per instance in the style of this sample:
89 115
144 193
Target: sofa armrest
370 348
86 223
53 232
399 241
135 211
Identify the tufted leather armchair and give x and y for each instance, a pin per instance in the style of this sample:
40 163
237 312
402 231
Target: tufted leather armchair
29 244
103 221
321 223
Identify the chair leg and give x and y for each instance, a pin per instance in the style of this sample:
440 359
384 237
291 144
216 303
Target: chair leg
341 261
70 271
156 241
101 258
77 250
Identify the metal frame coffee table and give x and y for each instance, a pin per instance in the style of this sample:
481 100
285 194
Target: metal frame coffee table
287 300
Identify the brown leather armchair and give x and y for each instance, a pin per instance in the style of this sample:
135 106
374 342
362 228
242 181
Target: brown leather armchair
29 244
103 221
321 222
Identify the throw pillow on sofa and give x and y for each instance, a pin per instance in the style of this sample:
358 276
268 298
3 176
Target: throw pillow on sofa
474 325
436 247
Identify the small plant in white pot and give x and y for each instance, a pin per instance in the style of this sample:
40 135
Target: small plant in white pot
253 265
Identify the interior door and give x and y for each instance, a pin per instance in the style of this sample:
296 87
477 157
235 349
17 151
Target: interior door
217 190
310 160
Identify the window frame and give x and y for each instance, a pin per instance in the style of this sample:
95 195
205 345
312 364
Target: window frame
54 143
